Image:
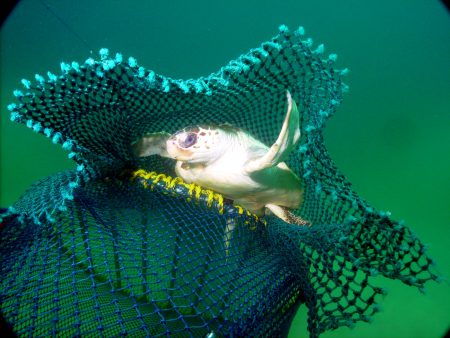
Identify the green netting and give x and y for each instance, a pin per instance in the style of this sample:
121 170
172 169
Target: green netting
93 252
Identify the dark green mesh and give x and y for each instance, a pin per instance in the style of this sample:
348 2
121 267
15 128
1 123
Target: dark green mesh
93 252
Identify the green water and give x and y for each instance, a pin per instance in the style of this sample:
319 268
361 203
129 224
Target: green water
391 136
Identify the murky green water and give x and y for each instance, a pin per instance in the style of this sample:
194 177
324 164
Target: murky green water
391 136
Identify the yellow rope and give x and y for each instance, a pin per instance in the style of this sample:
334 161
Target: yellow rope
195 191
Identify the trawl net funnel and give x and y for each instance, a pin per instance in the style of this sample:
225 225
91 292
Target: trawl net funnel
121 246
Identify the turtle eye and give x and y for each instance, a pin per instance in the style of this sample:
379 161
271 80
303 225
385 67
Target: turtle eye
189 140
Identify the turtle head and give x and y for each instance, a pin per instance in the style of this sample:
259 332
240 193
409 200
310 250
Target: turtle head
198 144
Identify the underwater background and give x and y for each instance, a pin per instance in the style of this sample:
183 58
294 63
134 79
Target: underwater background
390 137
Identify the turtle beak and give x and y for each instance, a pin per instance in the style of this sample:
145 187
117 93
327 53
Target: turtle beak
172 147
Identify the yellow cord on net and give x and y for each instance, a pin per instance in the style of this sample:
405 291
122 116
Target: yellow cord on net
195 191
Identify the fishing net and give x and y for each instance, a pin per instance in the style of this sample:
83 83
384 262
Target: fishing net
121 246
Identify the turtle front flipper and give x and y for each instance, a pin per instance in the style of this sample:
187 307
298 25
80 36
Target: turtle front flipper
288 138
151 144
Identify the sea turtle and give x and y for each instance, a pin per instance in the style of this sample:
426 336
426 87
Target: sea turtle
230 161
